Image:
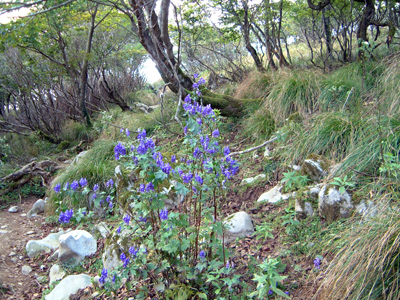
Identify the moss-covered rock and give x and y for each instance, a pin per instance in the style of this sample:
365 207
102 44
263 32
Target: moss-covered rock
315 167
334 205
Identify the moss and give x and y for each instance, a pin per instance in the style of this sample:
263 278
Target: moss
63 145
295 117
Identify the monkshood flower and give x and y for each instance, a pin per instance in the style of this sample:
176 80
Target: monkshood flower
227 151
187 177
127 132
121 130
173 158
195 76
202 81
110 205
94 196
149 187
75 185
142 219
141 134
119 230
197 152
83 182
215 133
198 179
119 150
104 274
96 188
164 214
126 262
202 254
227 265
122 256
66 186
57 188
110 183
142 187
66 216
195 86
127 219
133 251
114 277
317 263
166 168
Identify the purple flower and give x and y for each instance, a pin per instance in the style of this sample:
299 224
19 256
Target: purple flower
119 149
198 120
202 81
141 134
185 130
227 265
83 182
270 292
145 250
215 133
198 179
84 213
66 186
121 130
119 230
202 254
195 86
110 183
226 151
57 188
126 262
149 187
173 159
66 216
104 274
142 219
317 263
188 99
110 205
108 199
122 256
96 187
164 214
287 293
132 251
113 279
141 187
198 93
94 196
126 219
195 76
196 152
187 177
127 132
166 168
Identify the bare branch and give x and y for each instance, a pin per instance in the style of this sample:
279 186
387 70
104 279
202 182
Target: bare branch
254 148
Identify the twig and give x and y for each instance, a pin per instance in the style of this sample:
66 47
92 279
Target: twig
254 148
348 96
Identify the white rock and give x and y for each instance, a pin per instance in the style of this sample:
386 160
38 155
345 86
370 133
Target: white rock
3 227
26 270
334 205
4 231
30 232
274 195
12 253
76 244
37 208
267 152
367 209
303 210
22 215
78 157
13 209
56 273
238 225
102 228
252 179
113 246
48 244
69 286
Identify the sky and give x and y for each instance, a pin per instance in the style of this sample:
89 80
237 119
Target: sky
5 18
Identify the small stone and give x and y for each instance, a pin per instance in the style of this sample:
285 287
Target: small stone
42 279
95 294
26 270
3 231
12 254
22 215
13 209
3 227
30 232
21 257
14 260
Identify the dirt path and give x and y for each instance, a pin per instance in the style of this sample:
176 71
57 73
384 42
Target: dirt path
15 231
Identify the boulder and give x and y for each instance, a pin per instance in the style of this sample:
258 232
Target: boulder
37 208
114 245
237 225
26 270
76 245
56 273
303 209
315 167
334 205
274 195
69 286
78 157
102 229
46 245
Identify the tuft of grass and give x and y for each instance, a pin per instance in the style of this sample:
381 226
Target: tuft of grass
293 91
367 261
259 125
255 86
74 132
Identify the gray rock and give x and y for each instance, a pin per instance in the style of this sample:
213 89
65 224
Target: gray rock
78 157
173 198
315 167
76 245
102 228
274 195
54 256
42 279
37 208
334 205
13 209
303 209
367 209
56 273
14 260
46 245
114 245
252 179
314 191
267 152
26 270
238 225
69 286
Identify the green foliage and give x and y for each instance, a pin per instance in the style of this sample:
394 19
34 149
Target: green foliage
269 278
4 150
391 166
342 183
74 132
264 231
293 181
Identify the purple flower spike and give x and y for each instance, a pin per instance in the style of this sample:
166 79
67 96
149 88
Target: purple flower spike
119 230
215 133
317 263
195 76
127 218
96 188
57 188
164 214
127 132
122 256
83 182
202 254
